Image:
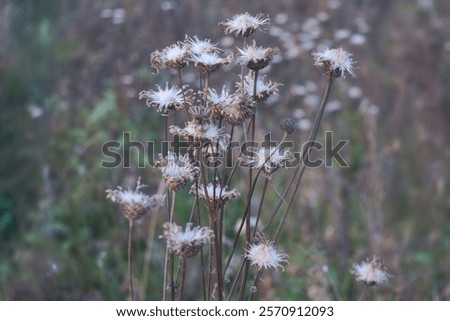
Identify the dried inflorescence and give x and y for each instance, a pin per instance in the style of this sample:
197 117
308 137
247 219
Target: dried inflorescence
241 109
214 196
174 56
200 133
334 63
269 160
254 57
288 125
187 243
208 62
262 253
165 100
245 24
263 89
134 204
177 171
372 273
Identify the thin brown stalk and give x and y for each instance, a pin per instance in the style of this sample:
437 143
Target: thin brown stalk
302 166
130 271
183 277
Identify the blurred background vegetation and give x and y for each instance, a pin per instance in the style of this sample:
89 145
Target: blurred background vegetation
70 72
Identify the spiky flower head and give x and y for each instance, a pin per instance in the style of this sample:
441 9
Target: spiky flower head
254 57
187 243
197 46
209 62
288 125
372 273
263 89
199 133
241 109
177 171
268 159
214 196
165 100
174 56
264 255
134 204
219 101
334 63
244 24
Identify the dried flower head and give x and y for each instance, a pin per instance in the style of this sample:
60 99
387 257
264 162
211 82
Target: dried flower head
189 242
263 89
254 57
269 159
165 100
134 204
199 133
288 125
244 24
174 56
219 101
208 62
214 196
241 109
177 171
264 255
334 63
373 273
197 46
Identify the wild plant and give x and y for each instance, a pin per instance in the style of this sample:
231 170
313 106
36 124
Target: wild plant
223 162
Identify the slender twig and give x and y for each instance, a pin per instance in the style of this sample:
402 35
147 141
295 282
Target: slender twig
183 277
263 195
130 271
255 281
302 166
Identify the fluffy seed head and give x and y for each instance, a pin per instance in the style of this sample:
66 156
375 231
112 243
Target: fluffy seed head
263 89
197 46
214 196
264 255
244 24
209 62
254 57
189 242
165 100
371 273
334 63
269 159
134 204
177 171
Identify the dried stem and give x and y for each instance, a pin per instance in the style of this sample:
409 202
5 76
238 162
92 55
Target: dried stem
183 277
301 168
130 271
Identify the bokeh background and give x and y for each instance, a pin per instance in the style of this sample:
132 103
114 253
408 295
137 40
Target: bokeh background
70 74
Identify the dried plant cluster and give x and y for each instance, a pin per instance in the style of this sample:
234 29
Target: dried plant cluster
212 118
